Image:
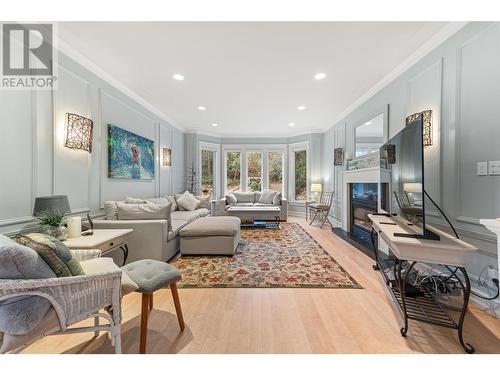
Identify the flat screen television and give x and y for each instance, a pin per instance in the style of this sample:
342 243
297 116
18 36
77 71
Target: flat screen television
403 155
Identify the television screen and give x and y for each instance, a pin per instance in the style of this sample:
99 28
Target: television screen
403 156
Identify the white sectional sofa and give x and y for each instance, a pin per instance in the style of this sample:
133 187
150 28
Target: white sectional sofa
251 200
152 239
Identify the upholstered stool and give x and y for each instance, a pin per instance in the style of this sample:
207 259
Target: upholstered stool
151 275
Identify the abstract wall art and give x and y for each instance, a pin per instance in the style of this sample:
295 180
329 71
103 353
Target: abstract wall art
130 156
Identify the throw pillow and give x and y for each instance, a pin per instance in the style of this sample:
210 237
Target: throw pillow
277 199
20 315
231 199
110 210
188 201
204 201
144 211
54 253
172 201
177 196
267 196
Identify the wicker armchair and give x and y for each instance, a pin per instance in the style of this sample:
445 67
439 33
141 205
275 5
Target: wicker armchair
73 299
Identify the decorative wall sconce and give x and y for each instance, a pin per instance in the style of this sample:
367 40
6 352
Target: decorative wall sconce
391 154
167 157
427 125
338 156
79 132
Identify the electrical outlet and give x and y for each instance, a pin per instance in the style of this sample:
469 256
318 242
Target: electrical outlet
494 168
482 168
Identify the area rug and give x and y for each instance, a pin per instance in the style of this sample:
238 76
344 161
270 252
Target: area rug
267 258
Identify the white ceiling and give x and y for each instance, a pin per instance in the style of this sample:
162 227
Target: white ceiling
251 76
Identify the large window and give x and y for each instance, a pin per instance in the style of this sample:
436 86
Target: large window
233 171
300 175
254 171
208 172
275 170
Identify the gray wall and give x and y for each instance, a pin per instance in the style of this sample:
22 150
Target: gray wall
460 82
36 163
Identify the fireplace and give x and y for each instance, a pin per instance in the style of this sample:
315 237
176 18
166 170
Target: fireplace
364 201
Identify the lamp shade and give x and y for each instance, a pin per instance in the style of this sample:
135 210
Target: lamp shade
412 187
316 188
52 204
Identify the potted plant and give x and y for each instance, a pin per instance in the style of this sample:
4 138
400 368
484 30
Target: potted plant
52 223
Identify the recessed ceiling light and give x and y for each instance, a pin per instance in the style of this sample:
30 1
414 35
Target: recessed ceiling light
319 76
178 77
215 125
202 108
301 107
291 124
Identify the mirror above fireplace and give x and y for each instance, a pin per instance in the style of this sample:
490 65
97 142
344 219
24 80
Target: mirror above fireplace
371 134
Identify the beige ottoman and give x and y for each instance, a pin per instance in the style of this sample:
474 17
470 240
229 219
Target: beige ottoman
213 235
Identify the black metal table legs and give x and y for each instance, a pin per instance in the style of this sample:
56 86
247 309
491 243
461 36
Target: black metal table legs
124 248
466 290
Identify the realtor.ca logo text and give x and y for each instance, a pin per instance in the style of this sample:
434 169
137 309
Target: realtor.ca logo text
28 56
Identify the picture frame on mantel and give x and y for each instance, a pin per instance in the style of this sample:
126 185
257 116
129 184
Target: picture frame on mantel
338 156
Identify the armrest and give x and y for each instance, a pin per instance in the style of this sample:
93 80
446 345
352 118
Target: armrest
220 207
86 254
74 298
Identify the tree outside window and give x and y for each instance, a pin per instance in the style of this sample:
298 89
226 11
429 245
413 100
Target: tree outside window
207 172
300 169
233 172
254 171
275 170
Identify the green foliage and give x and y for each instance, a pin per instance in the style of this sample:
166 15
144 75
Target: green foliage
233 166
51 219
300 175
255 184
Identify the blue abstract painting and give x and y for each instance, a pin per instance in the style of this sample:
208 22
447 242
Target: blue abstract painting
130 156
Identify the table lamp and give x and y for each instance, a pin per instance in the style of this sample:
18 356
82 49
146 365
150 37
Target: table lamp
315 188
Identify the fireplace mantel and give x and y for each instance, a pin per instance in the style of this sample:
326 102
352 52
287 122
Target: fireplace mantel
365 175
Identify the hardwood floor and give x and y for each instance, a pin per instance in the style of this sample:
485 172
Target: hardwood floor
285 320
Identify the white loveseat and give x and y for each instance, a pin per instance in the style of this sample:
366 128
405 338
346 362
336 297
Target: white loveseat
152 239
251 200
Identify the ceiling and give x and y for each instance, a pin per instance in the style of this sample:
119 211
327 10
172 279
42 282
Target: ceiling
250 76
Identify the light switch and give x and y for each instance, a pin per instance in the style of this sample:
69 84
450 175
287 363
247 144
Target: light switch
494 167
482 168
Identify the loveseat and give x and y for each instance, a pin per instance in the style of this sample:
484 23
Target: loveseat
253 199
153 239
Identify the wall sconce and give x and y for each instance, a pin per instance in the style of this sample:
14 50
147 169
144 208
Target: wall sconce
338 156
167 157
79 131
427 137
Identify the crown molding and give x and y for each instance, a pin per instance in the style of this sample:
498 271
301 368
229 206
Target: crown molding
263 136
435 41
79 58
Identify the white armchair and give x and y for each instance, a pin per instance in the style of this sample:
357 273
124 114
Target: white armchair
73 299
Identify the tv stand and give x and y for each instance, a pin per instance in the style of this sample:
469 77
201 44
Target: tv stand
419 303
428 235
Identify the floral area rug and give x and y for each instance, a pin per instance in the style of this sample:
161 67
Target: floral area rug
267 258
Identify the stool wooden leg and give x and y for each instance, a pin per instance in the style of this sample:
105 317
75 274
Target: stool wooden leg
175 296
144 322
151 301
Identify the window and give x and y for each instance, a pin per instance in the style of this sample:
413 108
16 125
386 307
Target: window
207 172
300 175
233 172
254 171
275 170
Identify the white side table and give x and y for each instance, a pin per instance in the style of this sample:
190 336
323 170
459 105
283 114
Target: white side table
105 240
494 226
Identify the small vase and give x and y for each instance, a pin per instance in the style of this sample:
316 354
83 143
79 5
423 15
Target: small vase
60 232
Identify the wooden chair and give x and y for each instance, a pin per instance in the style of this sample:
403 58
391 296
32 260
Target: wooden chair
321 208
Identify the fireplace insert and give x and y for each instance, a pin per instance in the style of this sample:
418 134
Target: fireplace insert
364 201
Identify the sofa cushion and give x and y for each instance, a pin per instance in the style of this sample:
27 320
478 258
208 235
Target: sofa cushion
244 197
243 204
189 216
267 196
160 200
277 199
55 253
188 201
146 211
130 200
203 212
172 201
263 204
103 265
111 210
231 199
20 315
177 225
212 226
204 201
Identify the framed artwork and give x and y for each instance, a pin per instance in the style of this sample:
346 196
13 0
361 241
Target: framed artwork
130 156
338 156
